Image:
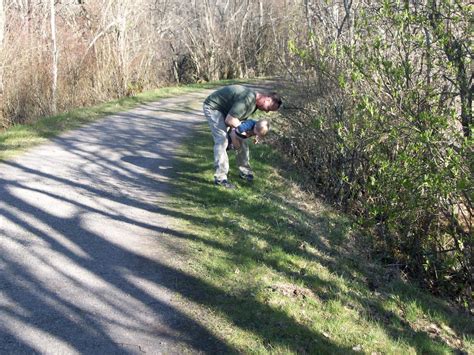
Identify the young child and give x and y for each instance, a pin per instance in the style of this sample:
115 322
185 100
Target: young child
246 129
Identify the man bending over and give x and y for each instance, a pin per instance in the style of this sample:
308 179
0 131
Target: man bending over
227 107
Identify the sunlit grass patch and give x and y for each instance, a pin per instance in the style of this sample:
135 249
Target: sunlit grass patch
289 275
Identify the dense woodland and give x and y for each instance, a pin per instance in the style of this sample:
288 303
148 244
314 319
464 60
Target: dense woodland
378 100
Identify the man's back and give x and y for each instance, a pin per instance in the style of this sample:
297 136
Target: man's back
235 100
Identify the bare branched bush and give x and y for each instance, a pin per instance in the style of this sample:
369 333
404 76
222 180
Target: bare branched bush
107 49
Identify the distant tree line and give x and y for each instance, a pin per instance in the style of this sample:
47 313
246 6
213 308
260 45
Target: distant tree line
59 54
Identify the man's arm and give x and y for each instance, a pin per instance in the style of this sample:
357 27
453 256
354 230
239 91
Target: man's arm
232 121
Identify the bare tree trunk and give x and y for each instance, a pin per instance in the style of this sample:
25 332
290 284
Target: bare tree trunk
309 13
2 35
213 73
55 56
259 40
121 43
242 63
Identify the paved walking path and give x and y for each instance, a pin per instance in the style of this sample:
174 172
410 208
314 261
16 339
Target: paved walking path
85 260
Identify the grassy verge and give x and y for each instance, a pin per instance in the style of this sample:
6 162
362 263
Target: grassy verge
21 137
279 272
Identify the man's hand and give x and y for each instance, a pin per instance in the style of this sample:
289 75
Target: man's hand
232 121
257 140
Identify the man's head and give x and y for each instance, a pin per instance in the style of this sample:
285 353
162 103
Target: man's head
270 101
261 128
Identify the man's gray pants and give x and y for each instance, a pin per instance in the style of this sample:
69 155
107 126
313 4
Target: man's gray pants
218 127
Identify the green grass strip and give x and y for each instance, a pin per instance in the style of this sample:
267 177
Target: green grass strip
279 272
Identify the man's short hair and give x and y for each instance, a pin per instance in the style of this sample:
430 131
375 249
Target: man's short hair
275 97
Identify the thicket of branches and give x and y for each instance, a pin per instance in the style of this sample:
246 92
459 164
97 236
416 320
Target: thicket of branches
59 54
382 123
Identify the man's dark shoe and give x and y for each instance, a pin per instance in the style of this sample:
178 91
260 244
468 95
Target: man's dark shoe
248 177
224 183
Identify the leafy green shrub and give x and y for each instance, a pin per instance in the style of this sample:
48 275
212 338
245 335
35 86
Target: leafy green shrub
384 130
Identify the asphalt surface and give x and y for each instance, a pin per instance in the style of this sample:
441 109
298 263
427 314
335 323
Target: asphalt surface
85 240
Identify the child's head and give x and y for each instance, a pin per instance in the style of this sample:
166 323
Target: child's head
261 128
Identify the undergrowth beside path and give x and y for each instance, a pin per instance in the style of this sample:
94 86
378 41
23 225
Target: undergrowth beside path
283 273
